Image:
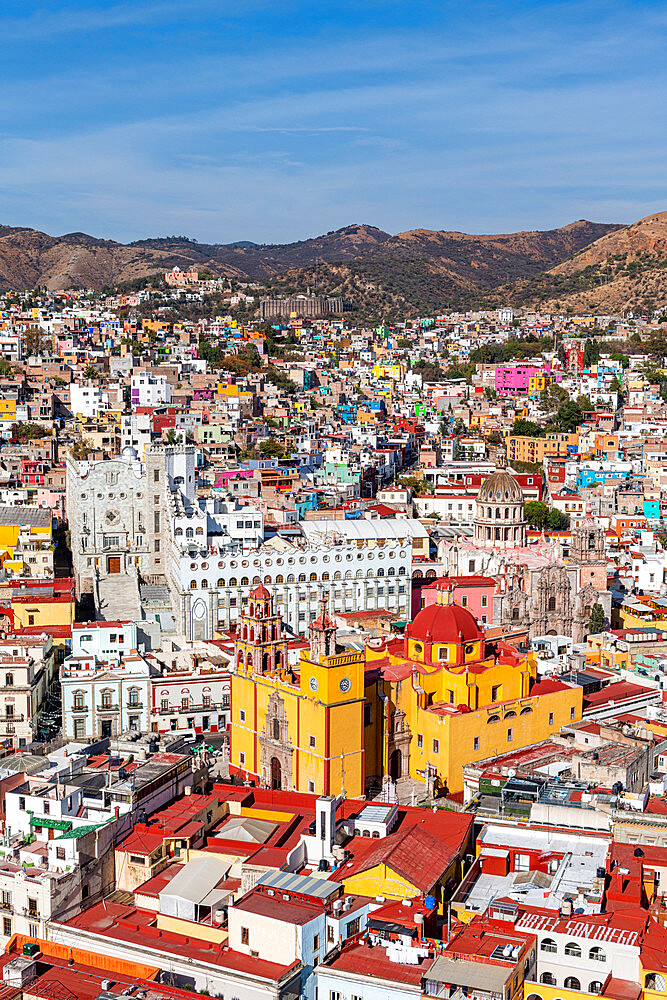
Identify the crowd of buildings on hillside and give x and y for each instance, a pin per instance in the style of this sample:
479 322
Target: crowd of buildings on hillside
333 661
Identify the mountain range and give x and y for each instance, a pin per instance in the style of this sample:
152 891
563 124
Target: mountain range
378 273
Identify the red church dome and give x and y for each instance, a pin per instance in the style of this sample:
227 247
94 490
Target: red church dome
260 593
447 623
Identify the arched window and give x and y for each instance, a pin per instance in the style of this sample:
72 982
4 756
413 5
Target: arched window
534 996
204 585
302 577
548 979
189 533
193 584
597 954
381 571
391 571
232 581
573 950
199 531
313 578
654 981
244 581
548 945
492 718
290 578
337 575
572 983
220 582
510 715
279 578
401 570
325 576
552 604
595 986
527 710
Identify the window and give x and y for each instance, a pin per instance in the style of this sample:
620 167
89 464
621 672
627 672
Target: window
436 746
495 692
156 475
475 743
330 934
510 735
420 741
597 954
522 862
552 604
60 853
242 715
352 927
32 907
316 942
548 979
574 951
33 930
572 713
485 600
242 759
572 983
335 995
595 987
245 935
549 945
312 742
551 718
7 926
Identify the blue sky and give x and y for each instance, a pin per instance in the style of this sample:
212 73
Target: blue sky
244 119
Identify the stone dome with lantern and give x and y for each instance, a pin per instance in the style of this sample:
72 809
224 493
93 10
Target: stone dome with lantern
499 519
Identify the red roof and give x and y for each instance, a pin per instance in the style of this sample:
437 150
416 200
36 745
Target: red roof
444 623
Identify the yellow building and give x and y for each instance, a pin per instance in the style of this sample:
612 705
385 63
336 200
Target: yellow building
296 729
447 697
419 706
26 541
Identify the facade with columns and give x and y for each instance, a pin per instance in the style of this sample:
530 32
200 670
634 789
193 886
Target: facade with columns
360 566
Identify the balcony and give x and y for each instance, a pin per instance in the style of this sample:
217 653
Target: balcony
108 708
135 704
79 709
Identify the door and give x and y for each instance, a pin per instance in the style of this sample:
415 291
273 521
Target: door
106 728
395 765
276 773
113 564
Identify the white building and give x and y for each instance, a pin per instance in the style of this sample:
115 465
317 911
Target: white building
103 696
363 565
149 390
87 399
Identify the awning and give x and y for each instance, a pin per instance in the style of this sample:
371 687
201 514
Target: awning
51 824
474 975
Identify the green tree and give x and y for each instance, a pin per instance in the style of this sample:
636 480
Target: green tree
90 372
569 416
271 448
596 621
591 352
557 521
171 437
527 428
623 358
536 514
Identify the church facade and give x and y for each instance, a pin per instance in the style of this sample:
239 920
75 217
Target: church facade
539 587
417 706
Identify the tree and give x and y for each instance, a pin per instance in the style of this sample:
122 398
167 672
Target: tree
536 514
569 416
527 428
35 340
271 448
591 352
404 343
90 372
553 396
557 521
623 358
171 437
596 621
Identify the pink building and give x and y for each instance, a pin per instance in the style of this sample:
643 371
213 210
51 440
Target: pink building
472 592
514 379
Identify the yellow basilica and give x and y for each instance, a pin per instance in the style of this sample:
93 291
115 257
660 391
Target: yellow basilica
415 706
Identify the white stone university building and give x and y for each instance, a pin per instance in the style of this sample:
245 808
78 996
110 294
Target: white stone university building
143 520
